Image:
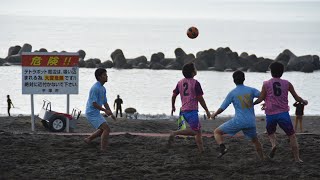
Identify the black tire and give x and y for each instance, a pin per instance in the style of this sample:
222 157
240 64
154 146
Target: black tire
57 123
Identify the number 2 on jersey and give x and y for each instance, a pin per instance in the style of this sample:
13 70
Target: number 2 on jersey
185 86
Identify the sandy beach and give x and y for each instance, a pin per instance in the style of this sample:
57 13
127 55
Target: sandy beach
27 155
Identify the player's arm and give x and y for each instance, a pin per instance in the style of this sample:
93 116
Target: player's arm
227 101
261 97
108 111
173 101
295 95
216 113
114 104
204 105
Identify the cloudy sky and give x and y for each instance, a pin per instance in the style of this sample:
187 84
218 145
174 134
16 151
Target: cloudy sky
162 9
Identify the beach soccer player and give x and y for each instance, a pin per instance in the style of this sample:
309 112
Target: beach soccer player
299 114
275 94
244 120
97 98
191 93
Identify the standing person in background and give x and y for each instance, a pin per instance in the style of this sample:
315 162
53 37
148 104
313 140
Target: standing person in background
191 93
299 114
9 104
97 98
118 102
275 94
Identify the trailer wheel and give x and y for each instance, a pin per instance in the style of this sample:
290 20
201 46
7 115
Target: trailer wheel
57 123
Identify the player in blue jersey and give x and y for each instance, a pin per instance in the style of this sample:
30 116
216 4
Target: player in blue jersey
244 120
96 100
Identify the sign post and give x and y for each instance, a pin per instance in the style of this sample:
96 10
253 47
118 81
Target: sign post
49 73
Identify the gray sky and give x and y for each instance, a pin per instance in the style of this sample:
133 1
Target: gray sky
157 8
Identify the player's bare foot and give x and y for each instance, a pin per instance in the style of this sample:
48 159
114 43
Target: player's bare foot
87 140
223 150
273 152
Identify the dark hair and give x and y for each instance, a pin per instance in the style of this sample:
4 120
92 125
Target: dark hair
238 77
99 72
276 69
188 69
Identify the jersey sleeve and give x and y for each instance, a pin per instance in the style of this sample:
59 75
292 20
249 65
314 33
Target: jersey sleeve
198 89
93 96
256 93
227 101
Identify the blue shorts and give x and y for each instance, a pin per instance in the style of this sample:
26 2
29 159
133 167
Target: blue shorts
232 128
284 121
95 119
192 119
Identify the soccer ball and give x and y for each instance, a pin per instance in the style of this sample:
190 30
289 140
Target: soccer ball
192 32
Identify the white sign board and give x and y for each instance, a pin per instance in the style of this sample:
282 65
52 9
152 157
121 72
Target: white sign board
50 73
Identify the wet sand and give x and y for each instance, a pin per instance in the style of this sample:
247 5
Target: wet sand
28 155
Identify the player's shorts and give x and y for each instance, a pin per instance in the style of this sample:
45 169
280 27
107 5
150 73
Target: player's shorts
232 128
284 121
95 119
192 119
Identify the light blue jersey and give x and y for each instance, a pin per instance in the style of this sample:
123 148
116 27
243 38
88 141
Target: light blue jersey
97 94
242 99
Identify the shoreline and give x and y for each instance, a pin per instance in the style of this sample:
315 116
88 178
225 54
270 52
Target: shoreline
23 124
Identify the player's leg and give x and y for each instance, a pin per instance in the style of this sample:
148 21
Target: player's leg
296 121
218 136
94 135
286 124
251 133
229 127
295 148
120 111
104 136
199 142
271 129
258 147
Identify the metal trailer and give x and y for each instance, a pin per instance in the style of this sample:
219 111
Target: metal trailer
56 121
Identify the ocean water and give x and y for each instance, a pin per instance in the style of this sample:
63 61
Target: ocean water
150 91
99 37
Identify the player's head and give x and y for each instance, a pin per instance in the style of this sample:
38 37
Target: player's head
99 73
8 96
276 69
118 95
238 77
189 70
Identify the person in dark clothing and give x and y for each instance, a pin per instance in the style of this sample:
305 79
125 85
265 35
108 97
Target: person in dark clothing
118 101
9 104
299 113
